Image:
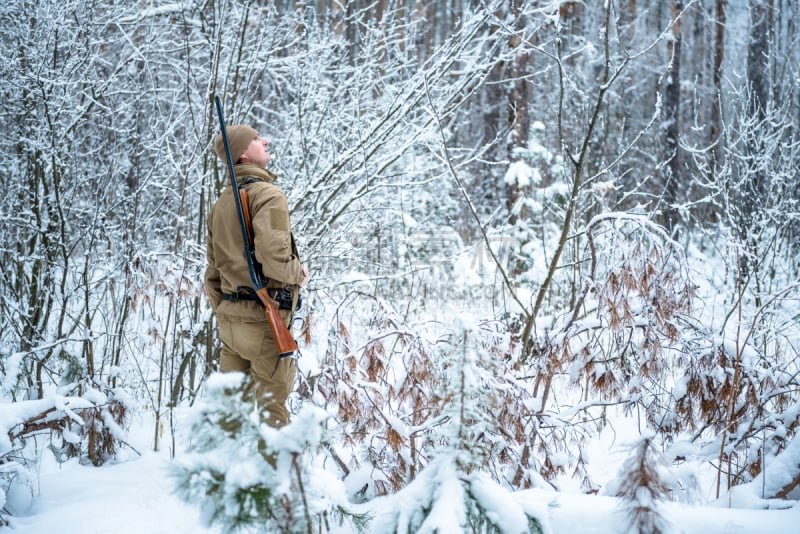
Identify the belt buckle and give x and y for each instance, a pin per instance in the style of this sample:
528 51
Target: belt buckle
244 293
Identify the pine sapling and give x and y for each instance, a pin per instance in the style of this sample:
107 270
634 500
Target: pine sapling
642 485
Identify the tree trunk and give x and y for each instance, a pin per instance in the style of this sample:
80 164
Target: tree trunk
716 109
518 98
672 101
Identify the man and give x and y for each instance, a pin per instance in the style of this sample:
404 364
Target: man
247 343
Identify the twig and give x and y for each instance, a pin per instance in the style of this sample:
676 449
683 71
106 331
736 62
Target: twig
302 492
472 209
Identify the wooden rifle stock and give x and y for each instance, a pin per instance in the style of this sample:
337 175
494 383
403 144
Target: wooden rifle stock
284 341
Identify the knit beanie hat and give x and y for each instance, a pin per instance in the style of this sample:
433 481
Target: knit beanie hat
239 138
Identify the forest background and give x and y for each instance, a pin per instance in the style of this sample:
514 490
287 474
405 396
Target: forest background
523 220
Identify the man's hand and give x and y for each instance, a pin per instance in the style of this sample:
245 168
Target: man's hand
306 276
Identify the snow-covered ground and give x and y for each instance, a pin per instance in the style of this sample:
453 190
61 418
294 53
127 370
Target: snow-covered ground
135 496
130 497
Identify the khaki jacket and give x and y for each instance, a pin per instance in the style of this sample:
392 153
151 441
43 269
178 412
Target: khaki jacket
274 244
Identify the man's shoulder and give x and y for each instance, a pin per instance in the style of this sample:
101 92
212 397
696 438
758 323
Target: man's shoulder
265 193
267 188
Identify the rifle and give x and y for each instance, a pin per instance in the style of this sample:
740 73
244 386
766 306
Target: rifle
284 341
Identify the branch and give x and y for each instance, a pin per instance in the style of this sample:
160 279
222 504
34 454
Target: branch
472 209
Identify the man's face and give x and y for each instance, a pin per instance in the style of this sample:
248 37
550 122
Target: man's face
257 153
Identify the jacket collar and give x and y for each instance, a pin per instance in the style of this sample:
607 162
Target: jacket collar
248 170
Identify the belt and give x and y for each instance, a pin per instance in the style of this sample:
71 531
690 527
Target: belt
284 297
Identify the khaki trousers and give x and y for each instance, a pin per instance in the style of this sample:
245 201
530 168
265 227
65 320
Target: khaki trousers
248 347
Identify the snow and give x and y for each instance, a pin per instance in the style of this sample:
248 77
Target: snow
129 497
521 174
134 496
355 276
507 514
135 493
680 388
12 372
774 477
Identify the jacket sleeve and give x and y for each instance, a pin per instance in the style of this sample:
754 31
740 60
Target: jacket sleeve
272 235
212 279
